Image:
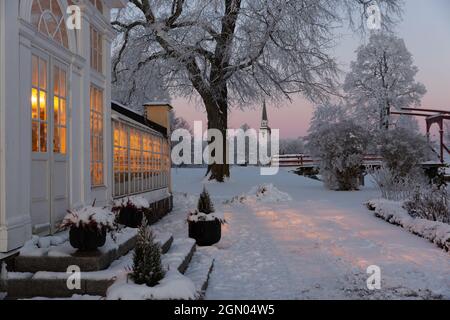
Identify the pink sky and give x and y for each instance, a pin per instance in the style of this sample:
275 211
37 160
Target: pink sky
426 30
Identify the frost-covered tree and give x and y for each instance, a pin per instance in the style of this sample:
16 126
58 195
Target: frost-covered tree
292 146
382 78
325 115
403 150
147 84
235 52
340 147
179 123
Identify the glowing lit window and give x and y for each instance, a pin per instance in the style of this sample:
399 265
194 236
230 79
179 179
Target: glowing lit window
47 17
39 119
136 155
59 111
97 161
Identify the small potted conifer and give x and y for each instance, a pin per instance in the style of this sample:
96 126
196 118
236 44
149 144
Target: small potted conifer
88 227
205 226
147 267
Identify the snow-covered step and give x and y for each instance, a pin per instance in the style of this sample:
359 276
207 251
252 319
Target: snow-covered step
180 254
199 271
58 258
93 283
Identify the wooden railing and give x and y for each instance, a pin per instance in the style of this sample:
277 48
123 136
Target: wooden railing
303 160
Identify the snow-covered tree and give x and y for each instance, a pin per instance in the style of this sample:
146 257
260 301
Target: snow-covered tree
235 52
340 147
325 115
292 146
381 79
403 150
179 123
147 84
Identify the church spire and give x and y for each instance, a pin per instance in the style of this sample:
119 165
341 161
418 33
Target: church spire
264 115
264 120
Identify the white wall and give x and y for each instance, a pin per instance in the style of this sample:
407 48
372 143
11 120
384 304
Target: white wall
14 210
16 39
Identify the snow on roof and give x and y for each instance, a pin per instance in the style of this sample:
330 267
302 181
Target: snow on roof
125 107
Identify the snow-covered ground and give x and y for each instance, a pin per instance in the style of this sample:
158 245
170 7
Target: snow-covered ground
300 241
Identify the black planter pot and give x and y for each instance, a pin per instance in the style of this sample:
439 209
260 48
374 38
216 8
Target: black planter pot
85 239
130 217
206 233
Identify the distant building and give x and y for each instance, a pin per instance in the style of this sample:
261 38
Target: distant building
265 131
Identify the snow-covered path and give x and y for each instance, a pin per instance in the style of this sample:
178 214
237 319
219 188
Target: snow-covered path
316 246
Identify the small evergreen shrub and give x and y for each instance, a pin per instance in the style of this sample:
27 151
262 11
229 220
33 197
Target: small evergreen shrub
205 204
147 268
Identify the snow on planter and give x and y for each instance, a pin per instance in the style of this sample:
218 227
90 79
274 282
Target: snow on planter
138 201
394 213
174 286
200 216
89 216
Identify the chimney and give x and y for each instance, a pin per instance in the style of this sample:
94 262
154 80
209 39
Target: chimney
158 112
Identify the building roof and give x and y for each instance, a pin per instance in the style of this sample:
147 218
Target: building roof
157 104
127 112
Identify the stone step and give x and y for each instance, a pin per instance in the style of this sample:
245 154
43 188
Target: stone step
199 271
178 254
59 258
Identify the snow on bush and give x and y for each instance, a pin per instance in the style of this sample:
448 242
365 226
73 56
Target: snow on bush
395 187
431 203
394 213
174 286
266 193
340 147
137 201
90 217
403 150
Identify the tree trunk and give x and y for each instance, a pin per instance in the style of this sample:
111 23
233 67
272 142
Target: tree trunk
218 119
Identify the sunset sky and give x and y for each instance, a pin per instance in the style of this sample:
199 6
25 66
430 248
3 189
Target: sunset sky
426 30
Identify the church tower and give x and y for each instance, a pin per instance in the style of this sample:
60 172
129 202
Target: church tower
265 129
265 132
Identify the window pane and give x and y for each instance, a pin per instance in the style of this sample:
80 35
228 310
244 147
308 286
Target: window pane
34 103
56 81
35 137
56 111
62 79
56 142
43 105
63 114
35 71
63 140
43 137
43 74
